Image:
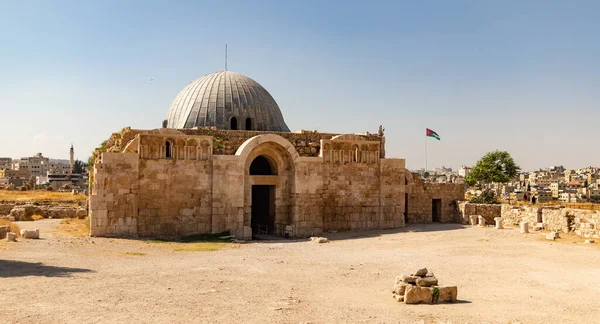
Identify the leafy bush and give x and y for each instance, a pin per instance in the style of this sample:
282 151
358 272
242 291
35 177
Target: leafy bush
486 197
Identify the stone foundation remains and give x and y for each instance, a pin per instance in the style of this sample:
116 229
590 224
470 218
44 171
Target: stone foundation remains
581 222
24 212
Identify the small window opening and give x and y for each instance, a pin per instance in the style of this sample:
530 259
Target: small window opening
233 123
168 150
248 124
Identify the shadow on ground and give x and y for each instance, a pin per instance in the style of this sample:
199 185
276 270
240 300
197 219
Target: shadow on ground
353 235
10 268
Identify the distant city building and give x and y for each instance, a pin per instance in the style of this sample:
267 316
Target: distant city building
5 164
464 171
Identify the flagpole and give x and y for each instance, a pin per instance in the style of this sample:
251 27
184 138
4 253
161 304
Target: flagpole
425 155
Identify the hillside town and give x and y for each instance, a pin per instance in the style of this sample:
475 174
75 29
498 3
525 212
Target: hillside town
555 184
41 172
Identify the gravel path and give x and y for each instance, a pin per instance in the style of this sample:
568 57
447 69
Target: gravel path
502 277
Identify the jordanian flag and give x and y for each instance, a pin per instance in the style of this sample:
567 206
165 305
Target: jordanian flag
431 133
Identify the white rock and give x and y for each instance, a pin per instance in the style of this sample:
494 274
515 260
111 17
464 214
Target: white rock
473 219
524 227
481 221
589 241
498 221
319 239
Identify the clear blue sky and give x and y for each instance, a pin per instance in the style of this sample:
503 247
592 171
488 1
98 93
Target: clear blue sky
522 76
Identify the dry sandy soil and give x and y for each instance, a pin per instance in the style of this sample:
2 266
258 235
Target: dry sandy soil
502 277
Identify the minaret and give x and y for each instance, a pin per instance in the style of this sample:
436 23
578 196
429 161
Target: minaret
71 157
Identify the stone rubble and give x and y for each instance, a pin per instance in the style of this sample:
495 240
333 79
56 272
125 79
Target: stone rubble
319 239
422 288
552 236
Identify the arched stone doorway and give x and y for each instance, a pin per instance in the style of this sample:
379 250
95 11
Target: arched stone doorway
269 183
263 196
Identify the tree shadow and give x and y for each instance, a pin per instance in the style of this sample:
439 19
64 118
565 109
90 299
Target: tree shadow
10 268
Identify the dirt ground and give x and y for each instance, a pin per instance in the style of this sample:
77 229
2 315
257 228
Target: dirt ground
502 277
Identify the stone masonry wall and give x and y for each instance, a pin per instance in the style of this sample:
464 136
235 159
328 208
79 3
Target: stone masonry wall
582 222
487 211
308 198
392 193
114 204
420 196
174 197
350 196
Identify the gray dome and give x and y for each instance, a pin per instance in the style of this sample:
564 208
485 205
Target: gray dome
226 100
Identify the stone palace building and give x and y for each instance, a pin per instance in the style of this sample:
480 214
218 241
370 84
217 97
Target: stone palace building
225 160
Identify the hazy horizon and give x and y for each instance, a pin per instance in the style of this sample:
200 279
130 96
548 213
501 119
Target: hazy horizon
507 75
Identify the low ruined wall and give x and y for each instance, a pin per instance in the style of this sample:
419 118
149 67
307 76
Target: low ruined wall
25 212
512 215
487 211
579 221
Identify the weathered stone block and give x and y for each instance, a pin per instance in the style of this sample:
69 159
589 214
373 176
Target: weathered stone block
448 294
421 272
427 281
473 219
5 229
417 295
409 279
524 227
30 234
481 221
400 288
11 237
498 221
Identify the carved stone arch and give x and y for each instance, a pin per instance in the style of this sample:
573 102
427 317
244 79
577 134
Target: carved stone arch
191 152
244 150
205 150
348 137
132 146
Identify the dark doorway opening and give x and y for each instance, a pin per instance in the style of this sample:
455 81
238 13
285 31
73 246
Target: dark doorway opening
436 210
406 208
248 124
263 210
233 123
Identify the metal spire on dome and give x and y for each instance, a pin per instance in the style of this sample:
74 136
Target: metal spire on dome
225 57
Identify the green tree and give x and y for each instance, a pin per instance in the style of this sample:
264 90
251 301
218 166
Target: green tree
497 166
78 166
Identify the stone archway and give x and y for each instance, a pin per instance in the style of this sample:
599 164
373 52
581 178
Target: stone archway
268 183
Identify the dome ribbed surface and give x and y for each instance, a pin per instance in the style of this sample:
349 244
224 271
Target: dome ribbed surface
216 98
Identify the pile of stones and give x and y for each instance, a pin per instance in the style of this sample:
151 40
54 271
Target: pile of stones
422 288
